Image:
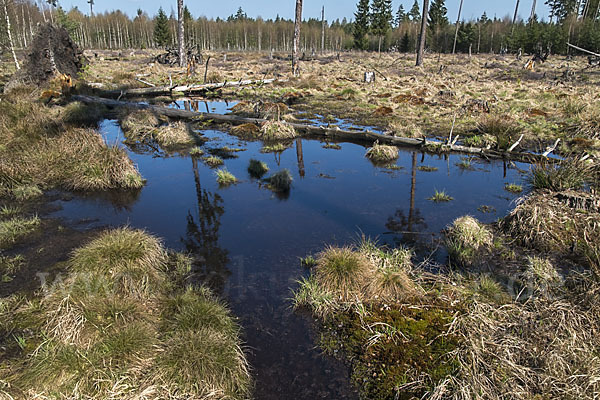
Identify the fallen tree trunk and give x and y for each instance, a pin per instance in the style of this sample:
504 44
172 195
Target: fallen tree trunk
184 89
332 133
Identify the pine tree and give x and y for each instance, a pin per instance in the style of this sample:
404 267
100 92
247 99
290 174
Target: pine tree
400 16
361 25
381 18
415 12
162 33
561 9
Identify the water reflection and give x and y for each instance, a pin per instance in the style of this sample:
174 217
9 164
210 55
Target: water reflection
409 227
202 237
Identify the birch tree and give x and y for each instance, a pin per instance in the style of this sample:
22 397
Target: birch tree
296 49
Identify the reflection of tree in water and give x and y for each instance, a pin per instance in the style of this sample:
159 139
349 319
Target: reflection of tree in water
409 225
202 237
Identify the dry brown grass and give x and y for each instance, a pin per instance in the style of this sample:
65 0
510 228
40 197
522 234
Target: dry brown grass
543 222
468 241
118 326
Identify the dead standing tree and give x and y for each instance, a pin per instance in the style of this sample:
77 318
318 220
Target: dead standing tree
421 49
181 34
296 49
457 25
9 34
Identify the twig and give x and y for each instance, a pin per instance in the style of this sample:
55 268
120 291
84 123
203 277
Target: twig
511 148
145 83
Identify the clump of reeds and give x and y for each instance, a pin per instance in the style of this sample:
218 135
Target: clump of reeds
257 169
441 197
280 181
225 178
139 125
513 188
468 241
174 134
504 130
213 161
566 175
380 153
274 148
276 130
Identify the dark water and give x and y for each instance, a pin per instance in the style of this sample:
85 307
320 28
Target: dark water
246 240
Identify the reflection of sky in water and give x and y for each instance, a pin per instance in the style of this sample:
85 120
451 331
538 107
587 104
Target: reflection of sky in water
251 243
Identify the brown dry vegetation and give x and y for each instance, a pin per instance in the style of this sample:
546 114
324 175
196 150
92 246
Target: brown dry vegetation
41 149
540 104
121 326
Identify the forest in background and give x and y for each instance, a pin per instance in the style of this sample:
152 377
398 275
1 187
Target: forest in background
375 24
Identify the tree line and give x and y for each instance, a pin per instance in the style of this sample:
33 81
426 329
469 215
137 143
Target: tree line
375 27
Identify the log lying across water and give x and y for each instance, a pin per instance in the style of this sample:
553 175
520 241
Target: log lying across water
183 89
331 133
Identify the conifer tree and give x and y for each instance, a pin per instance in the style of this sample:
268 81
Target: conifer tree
400 16
381 18
361 25
415 12
162 33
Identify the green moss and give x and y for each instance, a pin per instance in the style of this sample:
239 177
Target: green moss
400 346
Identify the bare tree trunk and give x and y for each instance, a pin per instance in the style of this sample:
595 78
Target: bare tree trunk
457 25
323 29
516 14
423 33
10 39
297 23
533 7
180 34
91 7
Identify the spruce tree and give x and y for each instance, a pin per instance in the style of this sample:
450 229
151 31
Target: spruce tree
415 12
400 16
437 21
361 25
381 18
162 33
405 43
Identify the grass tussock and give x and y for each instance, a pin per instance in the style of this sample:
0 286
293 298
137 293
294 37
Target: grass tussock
457 330
441 197
257 169
276 130
503 129
213 161
280 181
468 241
380 153
145 126
343 277
225 178
39 151
16 228
543 222
245 130
119 327
566 175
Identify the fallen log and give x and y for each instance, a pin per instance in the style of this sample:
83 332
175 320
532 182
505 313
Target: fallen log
182 89
328 132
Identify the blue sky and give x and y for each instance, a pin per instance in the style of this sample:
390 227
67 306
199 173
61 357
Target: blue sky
312 8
